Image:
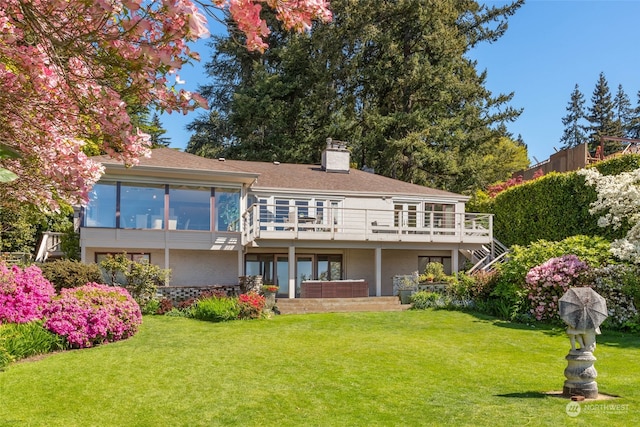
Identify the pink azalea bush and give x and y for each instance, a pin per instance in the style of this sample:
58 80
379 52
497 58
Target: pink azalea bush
24 294
547 282
93 314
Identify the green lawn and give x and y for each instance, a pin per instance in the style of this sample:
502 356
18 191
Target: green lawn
361 369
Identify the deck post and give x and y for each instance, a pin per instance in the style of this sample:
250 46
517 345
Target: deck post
240 262
454 260
378 269
292 271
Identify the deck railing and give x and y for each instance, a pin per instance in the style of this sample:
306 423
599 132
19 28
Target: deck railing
265 221
50 245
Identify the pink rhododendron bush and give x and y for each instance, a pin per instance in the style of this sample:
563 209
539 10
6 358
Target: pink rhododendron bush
24 294
93 314
547 282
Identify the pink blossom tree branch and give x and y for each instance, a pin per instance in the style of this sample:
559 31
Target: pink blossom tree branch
69 68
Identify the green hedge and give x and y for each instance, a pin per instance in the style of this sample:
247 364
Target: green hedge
553 207
67 273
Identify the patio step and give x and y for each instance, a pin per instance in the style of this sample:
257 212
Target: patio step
334 305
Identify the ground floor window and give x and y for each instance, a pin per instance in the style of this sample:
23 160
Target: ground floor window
135 257
444 260
274 268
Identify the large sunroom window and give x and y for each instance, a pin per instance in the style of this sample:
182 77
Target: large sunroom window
163 207
101 211
190 207
141 206
227 209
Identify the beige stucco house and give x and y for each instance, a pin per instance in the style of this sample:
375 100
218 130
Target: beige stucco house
213 220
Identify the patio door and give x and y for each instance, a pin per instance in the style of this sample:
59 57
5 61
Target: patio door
282 274
405 215
304 270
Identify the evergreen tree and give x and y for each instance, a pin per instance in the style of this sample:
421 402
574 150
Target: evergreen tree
209 136
601 115
389 77
622 112
574 131
155 130
633 127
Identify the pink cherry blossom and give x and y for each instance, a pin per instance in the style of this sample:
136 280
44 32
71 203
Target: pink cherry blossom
68 69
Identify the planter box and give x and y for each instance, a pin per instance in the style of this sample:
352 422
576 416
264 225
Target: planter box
405 295
334 289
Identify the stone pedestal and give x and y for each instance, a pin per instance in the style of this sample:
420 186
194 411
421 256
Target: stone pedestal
580 375
270 300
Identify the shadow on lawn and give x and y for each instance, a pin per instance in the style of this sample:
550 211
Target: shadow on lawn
608 337
525 395
547 329
618 339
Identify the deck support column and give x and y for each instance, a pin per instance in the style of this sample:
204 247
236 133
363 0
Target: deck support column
240 262
454 260
292 271
378 269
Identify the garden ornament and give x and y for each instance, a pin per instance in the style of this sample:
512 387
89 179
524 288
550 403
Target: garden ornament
583 310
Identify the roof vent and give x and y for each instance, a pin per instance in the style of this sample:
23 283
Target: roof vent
336 157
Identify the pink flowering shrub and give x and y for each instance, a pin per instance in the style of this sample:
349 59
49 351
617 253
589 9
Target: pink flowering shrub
93 314
496 189
23 294
547 282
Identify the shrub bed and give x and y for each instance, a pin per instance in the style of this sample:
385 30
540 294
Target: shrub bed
216 309
70 274
24 294
548 282
20 340
93 314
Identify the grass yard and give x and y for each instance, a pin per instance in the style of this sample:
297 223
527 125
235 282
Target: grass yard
410 368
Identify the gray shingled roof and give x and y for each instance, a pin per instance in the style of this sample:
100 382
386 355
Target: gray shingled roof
174 159
314 178
288 176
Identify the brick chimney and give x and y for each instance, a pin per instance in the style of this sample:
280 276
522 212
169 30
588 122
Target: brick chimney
336 157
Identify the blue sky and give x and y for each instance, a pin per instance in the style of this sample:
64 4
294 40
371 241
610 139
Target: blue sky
550 47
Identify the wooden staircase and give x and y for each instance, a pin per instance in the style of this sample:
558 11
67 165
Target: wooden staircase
339 305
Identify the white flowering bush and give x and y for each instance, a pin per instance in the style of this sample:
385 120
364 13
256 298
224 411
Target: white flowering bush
618 284
618 203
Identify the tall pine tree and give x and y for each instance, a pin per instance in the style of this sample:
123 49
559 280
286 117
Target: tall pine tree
389 77
633 127
156 131
622 112
601 116
574 129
